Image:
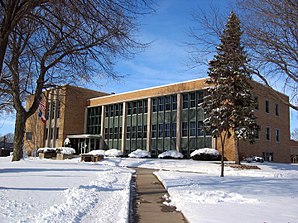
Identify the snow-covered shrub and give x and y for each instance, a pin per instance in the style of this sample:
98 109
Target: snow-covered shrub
113 153
170 154
206 154
139 154
65 150
67 142
97 152
46 150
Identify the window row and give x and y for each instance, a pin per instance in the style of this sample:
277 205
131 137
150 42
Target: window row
164 130
113 133
50 133
166 103
113 110
192 99
53 110
136 132
267 107
268 134
192 129
137 107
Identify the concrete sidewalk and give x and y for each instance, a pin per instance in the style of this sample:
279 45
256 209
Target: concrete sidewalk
149 207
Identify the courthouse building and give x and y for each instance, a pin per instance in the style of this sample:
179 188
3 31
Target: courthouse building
157 119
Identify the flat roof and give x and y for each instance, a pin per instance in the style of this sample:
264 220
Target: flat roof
150 88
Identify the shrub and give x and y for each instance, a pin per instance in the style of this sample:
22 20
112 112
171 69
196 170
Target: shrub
205 154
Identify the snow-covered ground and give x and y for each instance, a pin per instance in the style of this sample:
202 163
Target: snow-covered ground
71 191
63 191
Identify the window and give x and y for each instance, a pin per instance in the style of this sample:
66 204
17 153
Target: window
28 135
192 100
116 109
267 106
168 103
52 133
53 110
140 107
167 130
174 102
276 109
200 97
200 131
154 131
133 133
185 101
111 107
140 132
192 129
57 133
58 109
128 132
184 129
154 104
173 130
106 133
46 134
277 135
145 131
48 110
258 134
161 104
256 103
160 130
267 133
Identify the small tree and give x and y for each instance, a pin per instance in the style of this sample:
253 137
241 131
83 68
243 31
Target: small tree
229 105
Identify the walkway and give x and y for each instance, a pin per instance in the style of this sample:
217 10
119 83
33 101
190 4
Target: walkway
149 205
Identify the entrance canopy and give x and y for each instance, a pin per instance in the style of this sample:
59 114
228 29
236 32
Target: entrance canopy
84 143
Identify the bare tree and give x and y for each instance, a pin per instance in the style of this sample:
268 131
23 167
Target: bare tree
61 41
270 36
294 134
271 31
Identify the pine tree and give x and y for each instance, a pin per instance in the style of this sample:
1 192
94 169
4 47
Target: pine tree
229 104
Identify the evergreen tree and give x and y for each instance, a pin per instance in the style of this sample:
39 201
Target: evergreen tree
229 105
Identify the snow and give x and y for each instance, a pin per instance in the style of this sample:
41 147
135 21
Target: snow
63 191
113 153
209 151
171 153
139 154
35 190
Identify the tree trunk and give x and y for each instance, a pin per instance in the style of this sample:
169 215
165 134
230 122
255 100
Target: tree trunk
19 136
237 158
222 157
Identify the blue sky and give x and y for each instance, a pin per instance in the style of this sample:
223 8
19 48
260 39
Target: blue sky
165 60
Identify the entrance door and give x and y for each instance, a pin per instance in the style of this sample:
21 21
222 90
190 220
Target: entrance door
82 146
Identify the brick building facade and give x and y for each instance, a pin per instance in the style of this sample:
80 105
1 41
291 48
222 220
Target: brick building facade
158 119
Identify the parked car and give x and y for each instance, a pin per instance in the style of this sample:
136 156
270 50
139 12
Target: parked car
258 159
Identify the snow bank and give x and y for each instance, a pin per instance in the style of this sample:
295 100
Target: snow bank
139 154
97 152
113 153
209 151
170 154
